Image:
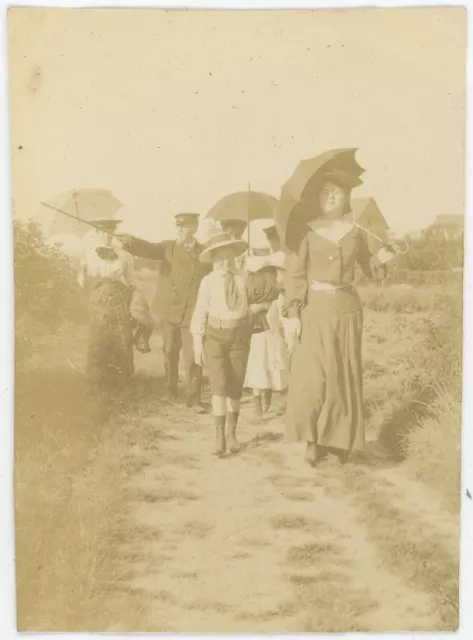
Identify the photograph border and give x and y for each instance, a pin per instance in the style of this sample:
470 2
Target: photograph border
7 575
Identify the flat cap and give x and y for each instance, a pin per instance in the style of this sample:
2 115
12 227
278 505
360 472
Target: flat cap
186 217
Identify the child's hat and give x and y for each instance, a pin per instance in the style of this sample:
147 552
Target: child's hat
218 241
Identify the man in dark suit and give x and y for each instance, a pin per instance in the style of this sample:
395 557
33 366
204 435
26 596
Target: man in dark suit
176 295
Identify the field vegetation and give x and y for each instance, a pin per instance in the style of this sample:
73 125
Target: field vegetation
124 522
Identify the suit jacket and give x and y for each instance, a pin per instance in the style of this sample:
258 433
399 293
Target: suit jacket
323 260
179 278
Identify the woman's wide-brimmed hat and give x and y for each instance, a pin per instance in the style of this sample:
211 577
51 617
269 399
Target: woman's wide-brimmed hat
107 224
299 195
218 241
346 180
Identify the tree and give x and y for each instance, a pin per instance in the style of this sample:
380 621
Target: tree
433 254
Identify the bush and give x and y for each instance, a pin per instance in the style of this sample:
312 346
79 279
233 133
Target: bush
44 278
46 291
421 411
433 254
434 449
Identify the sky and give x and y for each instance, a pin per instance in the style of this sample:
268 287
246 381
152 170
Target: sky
171 110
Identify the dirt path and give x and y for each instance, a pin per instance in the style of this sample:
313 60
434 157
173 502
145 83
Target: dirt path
257 542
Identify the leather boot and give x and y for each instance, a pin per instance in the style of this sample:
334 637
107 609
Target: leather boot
267 398
311 454
258 410
220 443
232 421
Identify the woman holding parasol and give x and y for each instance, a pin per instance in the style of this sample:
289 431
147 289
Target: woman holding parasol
325 396
106 277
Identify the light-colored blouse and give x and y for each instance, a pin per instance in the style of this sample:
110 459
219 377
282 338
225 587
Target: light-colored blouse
93 266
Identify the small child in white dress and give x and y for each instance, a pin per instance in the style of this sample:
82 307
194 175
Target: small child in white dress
268 362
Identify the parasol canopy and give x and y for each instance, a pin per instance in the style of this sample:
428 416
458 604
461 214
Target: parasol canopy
244 205
297 191
68 243
88 204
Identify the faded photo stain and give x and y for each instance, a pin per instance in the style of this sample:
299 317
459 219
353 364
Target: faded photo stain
35 80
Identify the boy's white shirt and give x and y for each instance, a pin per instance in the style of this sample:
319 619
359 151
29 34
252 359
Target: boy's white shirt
211 301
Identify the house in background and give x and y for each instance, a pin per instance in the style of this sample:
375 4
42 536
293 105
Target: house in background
447 227
367 213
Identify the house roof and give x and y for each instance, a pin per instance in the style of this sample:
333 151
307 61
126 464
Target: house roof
366 210
449 220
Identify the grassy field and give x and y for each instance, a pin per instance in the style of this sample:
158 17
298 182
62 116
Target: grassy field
125 522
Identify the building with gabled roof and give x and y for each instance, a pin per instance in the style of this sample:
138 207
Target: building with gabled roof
367 213
447 226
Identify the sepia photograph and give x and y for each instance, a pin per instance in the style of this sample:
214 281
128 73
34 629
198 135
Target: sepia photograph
238 250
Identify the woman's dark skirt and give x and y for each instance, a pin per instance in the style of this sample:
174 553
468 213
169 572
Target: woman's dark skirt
227 353
110 347
325 396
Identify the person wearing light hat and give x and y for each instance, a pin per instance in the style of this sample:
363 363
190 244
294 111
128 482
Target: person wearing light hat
106 276
236 229
180 276
223 319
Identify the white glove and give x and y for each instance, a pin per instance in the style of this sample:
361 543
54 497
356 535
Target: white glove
389 252
293 330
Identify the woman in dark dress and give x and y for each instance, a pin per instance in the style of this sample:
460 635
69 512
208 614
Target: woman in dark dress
325 396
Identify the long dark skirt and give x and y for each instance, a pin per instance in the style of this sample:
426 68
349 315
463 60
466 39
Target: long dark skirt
110 347
325 396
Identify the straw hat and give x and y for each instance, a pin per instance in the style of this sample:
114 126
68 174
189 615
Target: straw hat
218 241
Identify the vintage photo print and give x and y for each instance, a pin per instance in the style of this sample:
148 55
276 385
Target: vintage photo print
238 269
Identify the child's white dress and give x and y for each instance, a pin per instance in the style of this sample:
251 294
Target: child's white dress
268 361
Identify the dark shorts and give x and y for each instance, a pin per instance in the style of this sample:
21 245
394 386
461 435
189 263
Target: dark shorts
227 353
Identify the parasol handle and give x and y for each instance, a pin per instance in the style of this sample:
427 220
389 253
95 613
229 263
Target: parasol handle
383 242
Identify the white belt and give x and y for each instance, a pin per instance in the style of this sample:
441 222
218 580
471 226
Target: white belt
328 286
